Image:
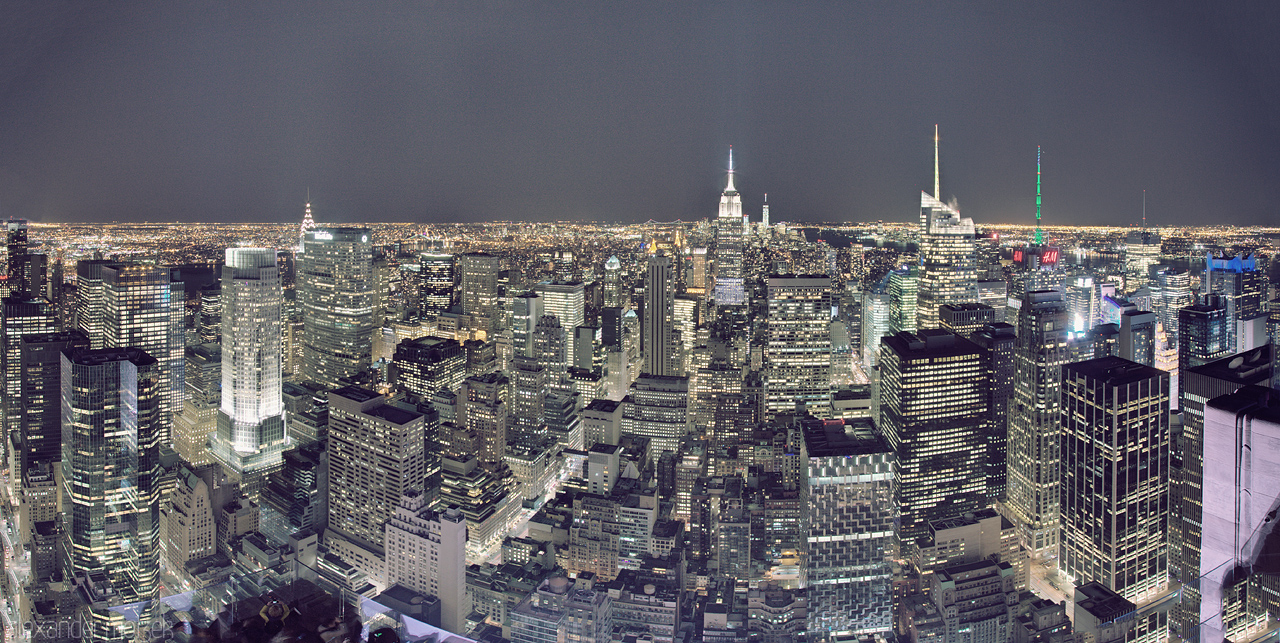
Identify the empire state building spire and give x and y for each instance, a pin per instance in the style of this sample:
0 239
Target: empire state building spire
729 188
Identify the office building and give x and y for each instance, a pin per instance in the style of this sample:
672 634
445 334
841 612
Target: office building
564 610
191 530
479 285
90 309
199 416
16 246
425 365
849 517
21 314
437 281
996 342
1199 385
567 302
426 552
965 319
1138 337
487 414
40 399
657 408
797 360
336 294
1239 503
111 479
948 272
933 410
144 307
376 455
1204 334
550 350
612 295
298 493
1039 352
658 344
904 297
875 324
251 433
1174 288
1142 251
1244 289
527 310
1115 528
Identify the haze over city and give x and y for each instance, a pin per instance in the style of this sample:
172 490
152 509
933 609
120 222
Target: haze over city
457 112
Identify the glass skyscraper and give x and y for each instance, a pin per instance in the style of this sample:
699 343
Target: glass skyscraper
336 294
111 405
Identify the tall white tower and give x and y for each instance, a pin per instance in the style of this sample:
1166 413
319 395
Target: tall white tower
729 289
251 435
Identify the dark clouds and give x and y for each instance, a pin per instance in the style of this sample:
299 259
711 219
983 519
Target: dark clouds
624 111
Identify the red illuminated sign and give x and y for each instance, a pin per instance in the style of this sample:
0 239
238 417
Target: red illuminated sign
1049 256
1017 256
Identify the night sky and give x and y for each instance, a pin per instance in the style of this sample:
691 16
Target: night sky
471 111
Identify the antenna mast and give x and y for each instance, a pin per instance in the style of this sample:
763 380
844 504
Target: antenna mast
1039 235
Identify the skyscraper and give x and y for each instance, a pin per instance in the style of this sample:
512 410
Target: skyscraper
144 307
487 415
613 283
425 365
41 398
1204 333
948 257
659 315
729 290
904 300
90 307
1244 288
1034 462
427 553
251 434
438 280
996 343
1115 477
16 251
376 455
933 410
21 314
1240 501
657 407
1138 337
798 352
479 284
111 401
849 517
1200 384
199 416
567 301
527 309
336 293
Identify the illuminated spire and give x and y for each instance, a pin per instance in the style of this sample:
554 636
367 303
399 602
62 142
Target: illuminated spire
1039 235
937 181
730 188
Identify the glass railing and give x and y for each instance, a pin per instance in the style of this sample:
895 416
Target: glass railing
312 599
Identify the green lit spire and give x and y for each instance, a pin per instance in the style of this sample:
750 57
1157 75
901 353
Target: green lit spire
1039 235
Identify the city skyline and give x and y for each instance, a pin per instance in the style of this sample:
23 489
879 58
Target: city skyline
419 114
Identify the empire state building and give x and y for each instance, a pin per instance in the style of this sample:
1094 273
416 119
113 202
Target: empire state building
729 290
